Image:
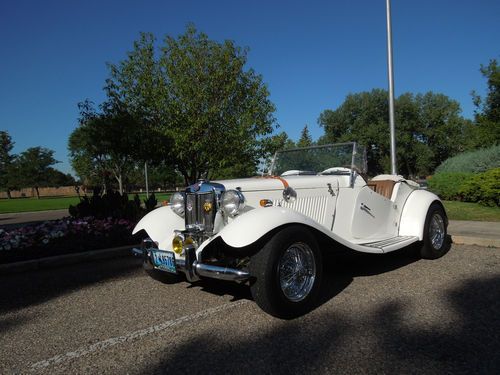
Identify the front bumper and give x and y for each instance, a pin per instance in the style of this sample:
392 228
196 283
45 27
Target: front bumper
192 268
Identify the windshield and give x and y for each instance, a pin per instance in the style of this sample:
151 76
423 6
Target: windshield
339 158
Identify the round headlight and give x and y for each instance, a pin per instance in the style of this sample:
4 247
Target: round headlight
177 203
233 202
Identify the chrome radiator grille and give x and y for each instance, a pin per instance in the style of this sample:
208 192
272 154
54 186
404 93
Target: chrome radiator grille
200 211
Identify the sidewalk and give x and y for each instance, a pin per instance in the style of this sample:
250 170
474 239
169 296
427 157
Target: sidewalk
482 233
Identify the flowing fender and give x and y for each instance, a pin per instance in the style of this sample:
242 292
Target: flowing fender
248 228
160 224
414 213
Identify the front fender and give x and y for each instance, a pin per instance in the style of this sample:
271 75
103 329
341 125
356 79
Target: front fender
160 224
414 213
244 230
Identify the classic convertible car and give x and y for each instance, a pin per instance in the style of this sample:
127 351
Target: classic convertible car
272 231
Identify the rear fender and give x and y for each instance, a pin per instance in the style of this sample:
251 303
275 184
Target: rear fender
415 211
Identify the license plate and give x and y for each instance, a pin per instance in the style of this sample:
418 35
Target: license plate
164 260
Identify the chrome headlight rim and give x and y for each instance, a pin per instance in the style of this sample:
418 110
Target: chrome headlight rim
177 202
232 202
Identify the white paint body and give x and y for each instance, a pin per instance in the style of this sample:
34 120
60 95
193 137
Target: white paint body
347 211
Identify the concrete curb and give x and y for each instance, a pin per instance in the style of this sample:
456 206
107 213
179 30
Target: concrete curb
479 241
62 260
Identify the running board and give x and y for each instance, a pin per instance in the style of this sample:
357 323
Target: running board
391 244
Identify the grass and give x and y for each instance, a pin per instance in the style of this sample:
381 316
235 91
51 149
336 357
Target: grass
54 203
471 211
33 204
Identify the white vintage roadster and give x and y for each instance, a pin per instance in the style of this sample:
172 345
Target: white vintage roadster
273 230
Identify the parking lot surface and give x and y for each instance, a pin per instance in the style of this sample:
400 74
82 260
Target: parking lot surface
378 314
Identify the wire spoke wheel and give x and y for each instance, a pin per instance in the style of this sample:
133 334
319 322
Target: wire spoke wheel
437 231
435 242
287 273
297 272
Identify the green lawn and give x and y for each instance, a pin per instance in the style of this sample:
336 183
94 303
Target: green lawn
53 203
33 204
471 211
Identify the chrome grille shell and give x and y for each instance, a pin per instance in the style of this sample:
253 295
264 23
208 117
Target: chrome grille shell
196 215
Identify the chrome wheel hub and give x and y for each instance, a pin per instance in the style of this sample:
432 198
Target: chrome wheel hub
297 272
436 231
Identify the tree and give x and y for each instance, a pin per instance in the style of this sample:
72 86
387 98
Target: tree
6 160
362 117
104 144
487 116
214 115
33 168
305 139
56 178
429 129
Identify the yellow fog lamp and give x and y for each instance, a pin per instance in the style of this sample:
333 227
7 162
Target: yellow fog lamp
189 241
178 244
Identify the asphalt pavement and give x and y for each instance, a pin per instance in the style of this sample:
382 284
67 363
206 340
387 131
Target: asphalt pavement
391 313
24 218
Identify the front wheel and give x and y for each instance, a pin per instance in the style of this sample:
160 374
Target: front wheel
288 272
435 243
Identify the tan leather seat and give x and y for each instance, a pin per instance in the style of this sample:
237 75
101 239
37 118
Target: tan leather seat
382 187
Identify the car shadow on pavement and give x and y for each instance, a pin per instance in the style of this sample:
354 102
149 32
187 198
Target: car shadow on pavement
385 338
35 287
340 268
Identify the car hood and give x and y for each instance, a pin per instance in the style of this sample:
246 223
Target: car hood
266 183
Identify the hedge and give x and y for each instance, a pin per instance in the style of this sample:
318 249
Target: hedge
448 185
483 188
473 162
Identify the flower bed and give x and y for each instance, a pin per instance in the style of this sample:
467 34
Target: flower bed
68 235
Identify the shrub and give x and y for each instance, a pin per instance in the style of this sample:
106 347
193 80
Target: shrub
111 204
151 202
475 161
483 188
448 185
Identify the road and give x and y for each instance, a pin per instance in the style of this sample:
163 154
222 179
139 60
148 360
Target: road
22 218
377 314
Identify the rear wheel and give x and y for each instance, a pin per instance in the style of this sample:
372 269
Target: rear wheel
288 272
435 242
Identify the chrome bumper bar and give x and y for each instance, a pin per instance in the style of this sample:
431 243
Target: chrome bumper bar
193 269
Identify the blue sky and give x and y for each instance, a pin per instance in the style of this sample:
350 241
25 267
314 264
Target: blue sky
310 53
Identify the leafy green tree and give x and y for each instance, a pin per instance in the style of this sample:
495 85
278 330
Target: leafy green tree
104 144
56 178
305 139
429 129
362 117
273 144
213 113
161 176
33 168
6 162
487 116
